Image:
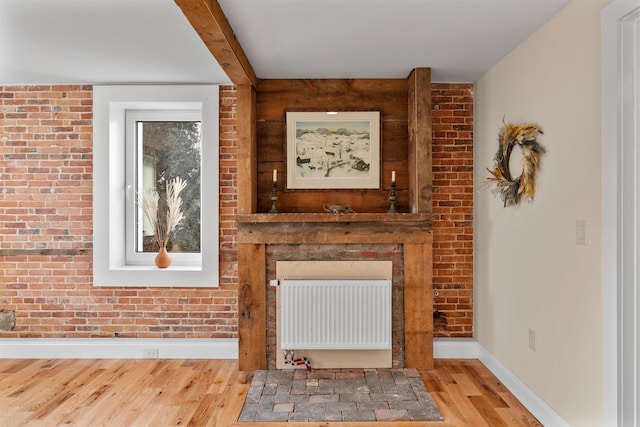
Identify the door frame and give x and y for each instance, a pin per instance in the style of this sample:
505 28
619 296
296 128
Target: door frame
620 203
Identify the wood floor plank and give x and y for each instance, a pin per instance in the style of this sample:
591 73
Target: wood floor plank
467 385
202 393
471 415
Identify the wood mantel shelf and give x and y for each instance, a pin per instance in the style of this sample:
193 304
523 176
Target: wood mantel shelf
331 228
329 217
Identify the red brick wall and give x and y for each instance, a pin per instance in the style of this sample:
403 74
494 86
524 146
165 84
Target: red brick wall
453 209
46 238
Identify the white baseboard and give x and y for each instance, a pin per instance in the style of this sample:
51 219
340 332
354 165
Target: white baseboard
468 348
118 348
456 348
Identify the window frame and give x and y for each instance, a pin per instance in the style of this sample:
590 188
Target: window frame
133 215
110 105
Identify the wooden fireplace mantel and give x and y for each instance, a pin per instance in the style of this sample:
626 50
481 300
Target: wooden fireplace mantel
413 231
332 228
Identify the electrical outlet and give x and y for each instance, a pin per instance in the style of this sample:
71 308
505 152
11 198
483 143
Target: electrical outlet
151 353
532 340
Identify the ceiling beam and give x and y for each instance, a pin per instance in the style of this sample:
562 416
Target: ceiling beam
207 18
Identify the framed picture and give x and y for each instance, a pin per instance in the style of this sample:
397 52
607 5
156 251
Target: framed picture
333 149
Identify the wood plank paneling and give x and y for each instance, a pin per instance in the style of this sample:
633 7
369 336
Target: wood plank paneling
276 97
361 201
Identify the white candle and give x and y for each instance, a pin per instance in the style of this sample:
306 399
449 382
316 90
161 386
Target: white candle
275 175
393 176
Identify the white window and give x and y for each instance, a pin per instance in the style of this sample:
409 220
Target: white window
162 145
145 136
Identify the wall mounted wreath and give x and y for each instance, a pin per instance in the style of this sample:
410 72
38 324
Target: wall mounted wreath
512 190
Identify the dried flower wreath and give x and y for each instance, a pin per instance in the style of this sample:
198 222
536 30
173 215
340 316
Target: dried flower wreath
512 190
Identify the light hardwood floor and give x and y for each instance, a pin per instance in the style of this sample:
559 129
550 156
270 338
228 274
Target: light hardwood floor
63 392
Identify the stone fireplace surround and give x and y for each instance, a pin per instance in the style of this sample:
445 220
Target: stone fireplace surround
403 238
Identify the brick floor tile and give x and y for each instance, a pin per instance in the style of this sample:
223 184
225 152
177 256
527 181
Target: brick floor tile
375 387
385 373
363 389
283 389
350 374
406 404
254 394
282 398
372 406
359 416
299 398
259 377
298 416
343 390
272 416
319 390
411 373
268 400
310 407
283 407
399 377
341 407
324 398
384 397
329 416
269 389
356 382
355 397
391 414
249 412
338 395
299 386
323 373
388 385
332 382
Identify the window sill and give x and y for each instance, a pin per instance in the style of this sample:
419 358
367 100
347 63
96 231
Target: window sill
154 268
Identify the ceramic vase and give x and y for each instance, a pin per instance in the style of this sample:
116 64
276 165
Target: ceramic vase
163 259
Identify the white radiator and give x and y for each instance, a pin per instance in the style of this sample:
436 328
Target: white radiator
335 314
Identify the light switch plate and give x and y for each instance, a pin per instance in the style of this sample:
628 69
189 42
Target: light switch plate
581 231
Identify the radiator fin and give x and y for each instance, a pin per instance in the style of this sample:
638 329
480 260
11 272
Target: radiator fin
335 314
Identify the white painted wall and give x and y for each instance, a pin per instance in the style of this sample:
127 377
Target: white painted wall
529 272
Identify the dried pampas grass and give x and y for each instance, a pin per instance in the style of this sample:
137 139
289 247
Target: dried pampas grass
149 204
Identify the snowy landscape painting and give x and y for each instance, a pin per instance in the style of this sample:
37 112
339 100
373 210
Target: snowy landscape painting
333 150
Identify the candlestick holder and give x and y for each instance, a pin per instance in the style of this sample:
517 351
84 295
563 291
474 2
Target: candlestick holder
274 197
393 198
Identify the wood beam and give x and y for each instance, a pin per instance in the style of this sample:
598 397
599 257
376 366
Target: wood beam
247 149
418 306
212 26
252 309
420 140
